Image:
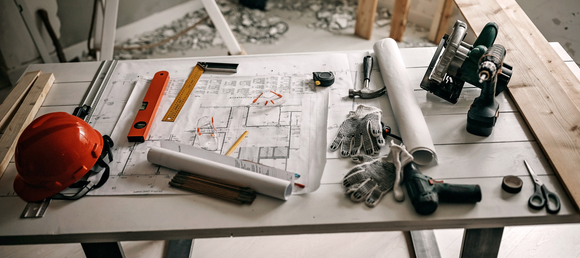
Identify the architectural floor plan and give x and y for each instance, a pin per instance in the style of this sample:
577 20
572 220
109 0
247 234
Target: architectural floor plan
280 108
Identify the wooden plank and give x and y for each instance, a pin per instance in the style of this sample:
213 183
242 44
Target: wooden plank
445 15
546 105
440 20
23 117
550 57
399 20
365 18
436 22
13 100
453 163
321 211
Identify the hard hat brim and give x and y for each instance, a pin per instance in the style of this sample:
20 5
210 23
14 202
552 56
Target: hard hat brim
33 194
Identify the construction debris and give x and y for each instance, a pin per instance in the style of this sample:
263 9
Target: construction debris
248 25
333 16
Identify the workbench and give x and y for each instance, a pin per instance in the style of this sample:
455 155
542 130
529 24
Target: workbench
463 159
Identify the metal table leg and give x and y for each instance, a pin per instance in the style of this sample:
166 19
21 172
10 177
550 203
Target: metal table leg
424 244
482 242
180 248
103 250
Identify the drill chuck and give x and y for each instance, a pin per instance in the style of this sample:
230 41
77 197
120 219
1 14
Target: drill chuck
491 62
486 71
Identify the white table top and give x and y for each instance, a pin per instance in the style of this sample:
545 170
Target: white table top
463 159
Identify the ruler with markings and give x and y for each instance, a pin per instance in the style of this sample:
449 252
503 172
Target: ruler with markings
185 91
183 94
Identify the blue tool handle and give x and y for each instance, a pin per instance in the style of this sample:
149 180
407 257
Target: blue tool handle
552 200
537 200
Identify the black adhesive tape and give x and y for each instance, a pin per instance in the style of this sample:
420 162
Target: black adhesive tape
512 184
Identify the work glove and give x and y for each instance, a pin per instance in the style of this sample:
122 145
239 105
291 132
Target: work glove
361 129
374 178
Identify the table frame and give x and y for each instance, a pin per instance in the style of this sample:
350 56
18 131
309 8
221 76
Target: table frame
486 230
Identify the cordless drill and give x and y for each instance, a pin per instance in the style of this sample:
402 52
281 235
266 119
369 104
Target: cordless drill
426 193
484 111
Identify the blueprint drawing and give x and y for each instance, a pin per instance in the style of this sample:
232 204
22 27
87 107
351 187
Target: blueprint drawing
283 112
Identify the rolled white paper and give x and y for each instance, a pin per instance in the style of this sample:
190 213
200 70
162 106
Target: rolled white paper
408 114
263 184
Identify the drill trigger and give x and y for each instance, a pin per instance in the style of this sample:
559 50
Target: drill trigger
433 181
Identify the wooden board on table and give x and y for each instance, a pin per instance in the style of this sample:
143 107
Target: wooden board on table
543 101
25 114
565 77
13 100
365 18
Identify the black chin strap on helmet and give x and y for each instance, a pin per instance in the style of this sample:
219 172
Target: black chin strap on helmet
86 186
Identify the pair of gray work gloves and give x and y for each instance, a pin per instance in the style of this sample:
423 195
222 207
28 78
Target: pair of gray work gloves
374 177
361 130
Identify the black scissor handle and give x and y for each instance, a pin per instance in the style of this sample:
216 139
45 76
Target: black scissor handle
552 200
537 200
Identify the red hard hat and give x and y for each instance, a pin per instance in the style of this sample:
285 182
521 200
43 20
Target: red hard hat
52 153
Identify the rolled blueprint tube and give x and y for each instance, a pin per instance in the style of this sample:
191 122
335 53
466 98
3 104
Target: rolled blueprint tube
408 115
263 184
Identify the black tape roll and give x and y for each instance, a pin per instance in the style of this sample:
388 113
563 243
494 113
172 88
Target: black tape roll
512 184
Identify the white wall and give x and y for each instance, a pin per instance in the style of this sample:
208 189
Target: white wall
16 45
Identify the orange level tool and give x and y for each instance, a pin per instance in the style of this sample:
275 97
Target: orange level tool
144 119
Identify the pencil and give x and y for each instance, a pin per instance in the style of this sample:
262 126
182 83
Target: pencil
237 143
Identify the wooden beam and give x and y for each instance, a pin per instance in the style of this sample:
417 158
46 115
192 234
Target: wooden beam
399 20
436 22
365 18
23 117
538 42
445 15
13 100
545 104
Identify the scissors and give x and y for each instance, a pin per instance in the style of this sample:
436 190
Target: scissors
542 196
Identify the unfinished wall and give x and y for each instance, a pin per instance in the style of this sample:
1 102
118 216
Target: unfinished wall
558 20
16 46
71 21
75 16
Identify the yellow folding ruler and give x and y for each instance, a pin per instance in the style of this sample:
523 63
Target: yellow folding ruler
187 88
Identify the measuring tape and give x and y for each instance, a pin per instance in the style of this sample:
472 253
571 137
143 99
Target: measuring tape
183 94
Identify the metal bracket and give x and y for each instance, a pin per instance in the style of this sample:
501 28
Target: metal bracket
95 90
35 209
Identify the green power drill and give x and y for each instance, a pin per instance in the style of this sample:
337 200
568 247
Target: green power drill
484 111
426 193
461 62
